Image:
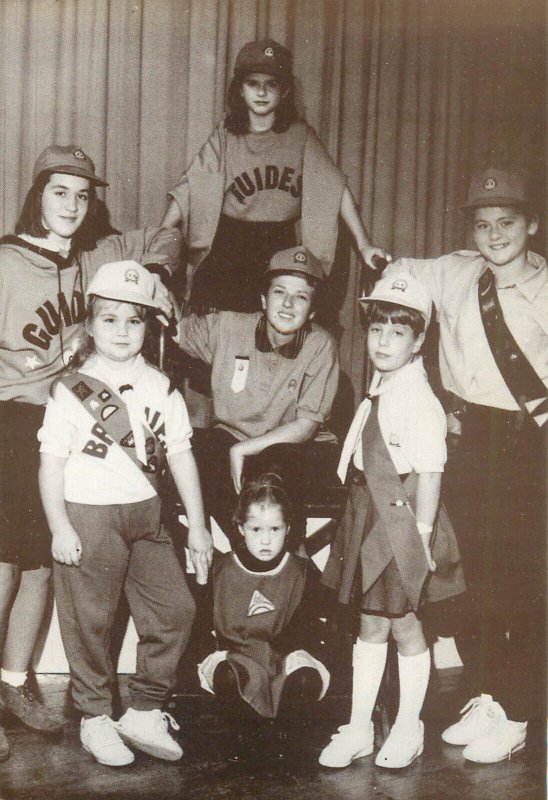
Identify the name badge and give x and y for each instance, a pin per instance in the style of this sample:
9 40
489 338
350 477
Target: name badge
239 376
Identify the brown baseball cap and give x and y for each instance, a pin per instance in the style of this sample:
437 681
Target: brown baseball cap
68 159
266 56
296 259
495 187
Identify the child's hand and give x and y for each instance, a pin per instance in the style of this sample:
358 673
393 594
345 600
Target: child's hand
425 532
162 298
428 553
200 546
236 466
373 255
66 547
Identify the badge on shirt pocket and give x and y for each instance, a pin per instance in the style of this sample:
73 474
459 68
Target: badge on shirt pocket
239 376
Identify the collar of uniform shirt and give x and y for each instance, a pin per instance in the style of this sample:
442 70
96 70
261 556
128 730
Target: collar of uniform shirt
289 350
532 283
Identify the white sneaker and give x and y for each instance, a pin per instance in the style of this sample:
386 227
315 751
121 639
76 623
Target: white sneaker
99 737
349 743
404 745
481 715
506 738
148 731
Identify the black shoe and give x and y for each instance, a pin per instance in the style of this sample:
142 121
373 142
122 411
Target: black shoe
24 705
275 740
238 751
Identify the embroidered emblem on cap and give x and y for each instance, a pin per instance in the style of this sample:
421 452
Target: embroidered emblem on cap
301 257
269 52
131 276
489 184
400 285
79 154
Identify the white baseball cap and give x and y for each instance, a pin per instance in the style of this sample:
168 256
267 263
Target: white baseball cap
126 281
402 289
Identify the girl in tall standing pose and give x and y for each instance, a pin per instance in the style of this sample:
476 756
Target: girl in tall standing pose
45 268
261 171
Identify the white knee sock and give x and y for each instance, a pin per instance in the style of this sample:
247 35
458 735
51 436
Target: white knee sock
414 673
13 678
368 662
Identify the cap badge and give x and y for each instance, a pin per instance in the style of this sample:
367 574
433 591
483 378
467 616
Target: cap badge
269 52
400 285
301 257
131 276
79 154
489 184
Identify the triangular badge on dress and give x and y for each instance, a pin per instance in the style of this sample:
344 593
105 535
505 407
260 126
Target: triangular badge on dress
259 604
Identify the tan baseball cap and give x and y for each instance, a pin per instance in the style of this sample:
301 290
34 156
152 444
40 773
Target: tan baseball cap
67 159
402 289
126 281
296 259
495 187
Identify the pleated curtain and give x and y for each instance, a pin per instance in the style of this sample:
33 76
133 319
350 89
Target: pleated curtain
409 97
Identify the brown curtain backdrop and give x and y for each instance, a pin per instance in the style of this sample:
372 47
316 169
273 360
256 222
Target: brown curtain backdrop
409 96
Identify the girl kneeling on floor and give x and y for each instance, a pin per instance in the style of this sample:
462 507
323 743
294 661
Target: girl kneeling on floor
260 619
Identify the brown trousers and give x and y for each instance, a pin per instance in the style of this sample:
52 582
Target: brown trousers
125 548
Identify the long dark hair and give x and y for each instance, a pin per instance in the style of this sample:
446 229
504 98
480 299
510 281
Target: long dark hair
237 119
30 218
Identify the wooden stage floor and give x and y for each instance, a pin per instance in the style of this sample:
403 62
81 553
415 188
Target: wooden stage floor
42 768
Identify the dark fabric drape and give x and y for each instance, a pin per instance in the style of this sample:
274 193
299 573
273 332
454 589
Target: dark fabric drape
409 97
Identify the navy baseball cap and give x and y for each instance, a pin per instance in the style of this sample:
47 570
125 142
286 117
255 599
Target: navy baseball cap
266 56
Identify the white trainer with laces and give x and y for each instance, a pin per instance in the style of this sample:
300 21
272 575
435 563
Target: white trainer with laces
149 731
99 738
480 716
502 741
349 743
404 744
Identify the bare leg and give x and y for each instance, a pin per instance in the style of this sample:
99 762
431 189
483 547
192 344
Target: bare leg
407 632
9 580
25 619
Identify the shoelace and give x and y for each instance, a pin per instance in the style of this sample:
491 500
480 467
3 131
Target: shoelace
108 731
471 706
164 720
27 694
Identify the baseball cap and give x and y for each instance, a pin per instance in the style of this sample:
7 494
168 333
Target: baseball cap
126 281
402 289
266 56
69 159
495 187
296 259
